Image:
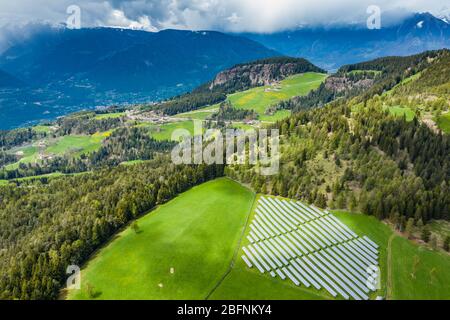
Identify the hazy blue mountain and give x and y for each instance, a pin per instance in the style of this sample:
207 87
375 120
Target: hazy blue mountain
9 81
127 60
68 70
332 47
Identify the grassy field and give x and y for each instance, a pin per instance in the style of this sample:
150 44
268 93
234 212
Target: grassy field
260 98
419 273
77 144
110 115
73 145
28 154
164 131
199 114
400 111
42 129
443 122
198 244
3 182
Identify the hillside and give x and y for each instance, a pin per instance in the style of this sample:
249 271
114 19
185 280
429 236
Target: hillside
256 74
76 69
260 73
353 153
68 186
8 81
406 268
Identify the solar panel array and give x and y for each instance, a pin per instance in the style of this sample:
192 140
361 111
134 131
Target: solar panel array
310 247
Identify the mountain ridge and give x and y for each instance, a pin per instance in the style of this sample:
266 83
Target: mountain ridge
346 45
69 70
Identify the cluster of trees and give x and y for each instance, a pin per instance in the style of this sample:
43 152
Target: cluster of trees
6 158
363 160
124 144
16 137
45 227
411 228
188 102
247 75
128 144
227 112
86 123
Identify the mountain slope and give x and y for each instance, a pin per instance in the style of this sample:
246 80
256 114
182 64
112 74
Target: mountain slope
237 78
127 60
70 70
334 47
260 73
8 81
355 154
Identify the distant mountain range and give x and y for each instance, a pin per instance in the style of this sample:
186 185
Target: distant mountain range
331 48
9 81
68 70
127 60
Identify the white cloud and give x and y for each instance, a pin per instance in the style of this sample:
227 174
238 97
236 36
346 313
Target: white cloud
117 18
225 15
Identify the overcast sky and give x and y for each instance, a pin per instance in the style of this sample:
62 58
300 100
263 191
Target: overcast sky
223 15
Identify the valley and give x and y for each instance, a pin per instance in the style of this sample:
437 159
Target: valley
98 189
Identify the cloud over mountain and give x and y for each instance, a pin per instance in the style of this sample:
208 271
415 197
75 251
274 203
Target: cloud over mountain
223 15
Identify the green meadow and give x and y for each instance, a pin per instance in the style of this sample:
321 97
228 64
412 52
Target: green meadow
178 253
110 115
72 145
164 131
191 248
77 144
28 154
260 98
400 111
443 122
